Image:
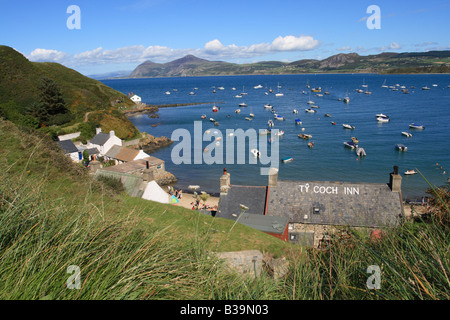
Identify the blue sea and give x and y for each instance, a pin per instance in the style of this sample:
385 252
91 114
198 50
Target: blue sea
428 150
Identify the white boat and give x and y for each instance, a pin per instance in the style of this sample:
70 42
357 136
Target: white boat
401 147
407 134
238 96
360 152
416 126
295 111
425 88
248 118
258 86
167 92
380 115
279 94
221 88
212 120
270 123
215 108
242 105
238 111
287 159
310 102
264 132
347 126
315 107
277 117
252 115
279 133
192 93
347 100
203 116
410 172
382 119
350 144
268 106
298 121
310 110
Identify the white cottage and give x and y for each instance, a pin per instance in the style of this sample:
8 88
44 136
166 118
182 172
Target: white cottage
104 141
136 99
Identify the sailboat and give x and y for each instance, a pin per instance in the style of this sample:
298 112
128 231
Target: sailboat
384 84
279 94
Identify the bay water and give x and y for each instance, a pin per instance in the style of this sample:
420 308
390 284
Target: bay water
428 150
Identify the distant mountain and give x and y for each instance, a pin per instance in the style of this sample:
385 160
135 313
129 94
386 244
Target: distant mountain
387 62
110 75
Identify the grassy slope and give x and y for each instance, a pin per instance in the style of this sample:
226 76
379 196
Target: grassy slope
20 80
52 215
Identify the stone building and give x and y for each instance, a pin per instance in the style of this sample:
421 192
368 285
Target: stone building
315 208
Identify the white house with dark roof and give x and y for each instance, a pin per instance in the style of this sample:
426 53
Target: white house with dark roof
104 141
70 149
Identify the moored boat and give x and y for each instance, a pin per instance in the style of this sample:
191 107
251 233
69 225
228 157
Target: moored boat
347 126
401 147
410 172
416 126
304 136
287 159
407 134
350 144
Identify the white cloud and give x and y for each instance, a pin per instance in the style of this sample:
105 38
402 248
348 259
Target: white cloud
49 55
346 48
394 45
292 43
213 49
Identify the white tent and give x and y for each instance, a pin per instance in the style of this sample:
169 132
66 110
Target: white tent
155 193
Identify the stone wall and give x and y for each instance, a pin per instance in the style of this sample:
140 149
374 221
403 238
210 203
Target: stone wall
253 263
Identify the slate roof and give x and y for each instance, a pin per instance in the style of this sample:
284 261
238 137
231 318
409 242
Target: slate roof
67 146
122 153
135 165
100 138
336 203
263 223
253 197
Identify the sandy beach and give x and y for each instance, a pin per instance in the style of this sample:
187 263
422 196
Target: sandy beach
188 200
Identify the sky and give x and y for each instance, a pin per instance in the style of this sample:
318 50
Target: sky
98 36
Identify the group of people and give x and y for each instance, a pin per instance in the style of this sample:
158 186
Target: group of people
177 193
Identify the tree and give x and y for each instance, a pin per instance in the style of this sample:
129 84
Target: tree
52 107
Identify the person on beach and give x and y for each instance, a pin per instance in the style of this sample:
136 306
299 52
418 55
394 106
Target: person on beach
180 194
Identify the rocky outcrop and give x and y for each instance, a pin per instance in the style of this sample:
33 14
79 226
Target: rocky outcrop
339 60
151 144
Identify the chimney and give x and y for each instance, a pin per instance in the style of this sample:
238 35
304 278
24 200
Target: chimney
98 130
112 133
395 181
148 173
273 177
224 182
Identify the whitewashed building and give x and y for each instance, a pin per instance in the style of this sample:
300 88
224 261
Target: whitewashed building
136 99
104 141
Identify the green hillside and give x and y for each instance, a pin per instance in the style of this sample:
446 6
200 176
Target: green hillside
21 83
53 216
